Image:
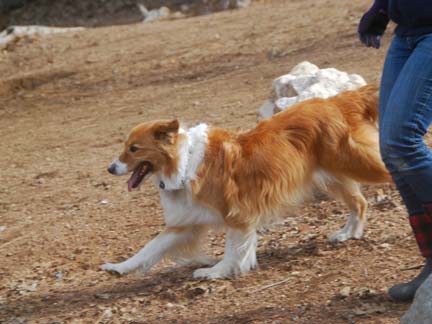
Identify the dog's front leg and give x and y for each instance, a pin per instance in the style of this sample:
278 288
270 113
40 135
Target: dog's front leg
165 243
239 256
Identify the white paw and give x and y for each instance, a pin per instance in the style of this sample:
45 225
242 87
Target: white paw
340 236
210 273
114 268
358 233
221 270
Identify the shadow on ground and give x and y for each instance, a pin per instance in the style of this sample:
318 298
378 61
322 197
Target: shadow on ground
174 285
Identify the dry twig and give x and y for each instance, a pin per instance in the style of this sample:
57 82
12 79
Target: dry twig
419 266
271 285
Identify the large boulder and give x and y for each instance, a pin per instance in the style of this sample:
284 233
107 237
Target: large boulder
420 311
306 81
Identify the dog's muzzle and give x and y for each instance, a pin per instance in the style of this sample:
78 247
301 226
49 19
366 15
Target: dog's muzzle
117 168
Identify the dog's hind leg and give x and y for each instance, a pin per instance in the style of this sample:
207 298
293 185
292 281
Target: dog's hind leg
239 256
170 243
349 192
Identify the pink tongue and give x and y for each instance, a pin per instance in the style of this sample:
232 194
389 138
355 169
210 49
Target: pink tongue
133 179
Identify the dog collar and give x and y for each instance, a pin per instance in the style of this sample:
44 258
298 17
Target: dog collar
162 185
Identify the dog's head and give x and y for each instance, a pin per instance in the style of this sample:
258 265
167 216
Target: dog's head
150 148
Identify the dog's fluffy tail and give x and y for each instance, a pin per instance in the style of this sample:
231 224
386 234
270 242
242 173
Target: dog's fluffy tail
361 159
359 105
369 97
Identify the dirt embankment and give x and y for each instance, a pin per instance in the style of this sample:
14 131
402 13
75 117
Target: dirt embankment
96 13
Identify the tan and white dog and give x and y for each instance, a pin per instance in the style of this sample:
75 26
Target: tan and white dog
212 177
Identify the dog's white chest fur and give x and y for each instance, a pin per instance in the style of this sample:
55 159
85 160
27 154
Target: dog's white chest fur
181 210
176 197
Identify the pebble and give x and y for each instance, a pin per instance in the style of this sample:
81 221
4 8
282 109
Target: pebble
345 292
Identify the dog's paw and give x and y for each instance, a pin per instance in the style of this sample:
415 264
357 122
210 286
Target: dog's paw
207 273
114 268
340 236
219 271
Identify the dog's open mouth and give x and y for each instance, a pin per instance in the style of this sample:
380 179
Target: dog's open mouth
139 174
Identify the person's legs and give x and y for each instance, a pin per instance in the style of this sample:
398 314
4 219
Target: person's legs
406 118
397 55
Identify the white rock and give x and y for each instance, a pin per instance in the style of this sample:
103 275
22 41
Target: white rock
307 81
155 14
266 110
243 3
296 86
356 81
284 102
12 32
281 86
317 91
304 68
332 73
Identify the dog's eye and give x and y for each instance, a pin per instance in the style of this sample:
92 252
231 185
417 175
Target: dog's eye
133 149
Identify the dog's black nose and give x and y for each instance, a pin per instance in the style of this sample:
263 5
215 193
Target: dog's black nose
112 168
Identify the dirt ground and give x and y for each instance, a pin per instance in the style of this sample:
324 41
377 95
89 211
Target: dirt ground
68 101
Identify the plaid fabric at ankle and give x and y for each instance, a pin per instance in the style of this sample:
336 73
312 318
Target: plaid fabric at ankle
421 225
428 208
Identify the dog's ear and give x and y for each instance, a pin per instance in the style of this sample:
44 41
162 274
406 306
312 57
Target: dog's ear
165 130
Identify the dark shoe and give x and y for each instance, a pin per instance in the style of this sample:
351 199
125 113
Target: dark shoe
405 292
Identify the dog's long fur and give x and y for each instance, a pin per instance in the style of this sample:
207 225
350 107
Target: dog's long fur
214 177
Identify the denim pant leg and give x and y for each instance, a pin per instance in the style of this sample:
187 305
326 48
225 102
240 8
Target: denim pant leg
397 55
407 116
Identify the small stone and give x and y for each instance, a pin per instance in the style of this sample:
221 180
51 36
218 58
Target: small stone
104 202
359 312
59 275
103 296
24 288
365 292
385 245
107 313
344 292
196 291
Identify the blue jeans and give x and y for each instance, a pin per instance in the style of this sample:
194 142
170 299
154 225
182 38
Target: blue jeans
405 113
